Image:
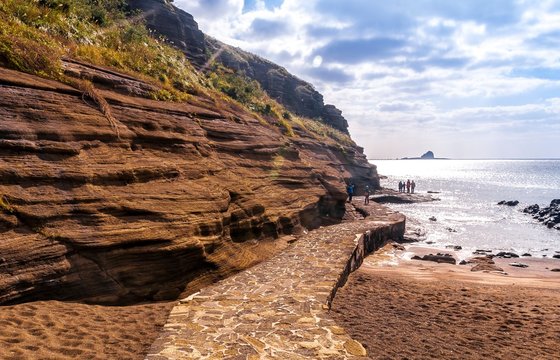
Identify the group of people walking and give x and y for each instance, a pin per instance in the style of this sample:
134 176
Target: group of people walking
407 186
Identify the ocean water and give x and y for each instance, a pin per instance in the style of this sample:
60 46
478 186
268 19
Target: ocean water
468 214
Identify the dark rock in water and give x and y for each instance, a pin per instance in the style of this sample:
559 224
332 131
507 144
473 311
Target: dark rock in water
434 192
392 199
430 242
526 255
506 255
450 229
549 216
483 252
555 270
556 256
463 262
519 265
454 247
509 203
439 258
433 218
531 209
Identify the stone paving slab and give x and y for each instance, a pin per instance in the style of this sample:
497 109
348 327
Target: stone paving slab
279 308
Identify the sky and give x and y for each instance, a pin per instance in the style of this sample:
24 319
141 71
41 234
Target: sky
464 79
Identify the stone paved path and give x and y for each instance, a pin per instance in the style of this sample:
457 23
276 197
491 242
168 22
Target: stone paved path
279 308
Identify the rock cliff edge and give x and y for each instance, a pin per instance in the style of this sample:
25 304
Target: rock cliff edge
185 194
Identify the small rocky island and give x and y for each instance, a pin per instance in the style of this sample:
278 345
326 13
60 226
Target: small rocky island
428 155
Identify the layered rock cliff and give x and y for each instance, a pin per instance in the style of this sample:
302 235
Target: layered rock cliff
295 94
182 194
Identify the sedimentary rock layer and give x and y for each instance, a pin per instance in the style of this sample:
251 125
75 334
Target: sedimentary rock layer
167 198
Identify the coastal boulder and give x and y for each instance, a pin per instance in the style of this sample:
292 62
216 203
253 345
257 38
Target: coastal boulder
483 263
532 209
439 258
509 202
549 216
506 255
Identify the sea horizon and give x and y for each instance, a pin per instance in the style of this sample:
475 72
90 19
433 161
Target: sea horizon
446 158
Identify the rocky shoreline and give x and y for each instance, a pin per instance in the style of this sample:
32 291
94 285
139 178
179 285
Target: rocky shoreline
549 216
389 196
479 259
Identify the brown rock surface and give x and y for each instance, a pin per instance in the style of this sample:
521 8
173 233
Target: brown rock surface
189 192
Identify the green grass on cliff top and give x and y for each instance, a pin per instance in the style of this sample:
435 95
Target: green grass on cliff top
35 35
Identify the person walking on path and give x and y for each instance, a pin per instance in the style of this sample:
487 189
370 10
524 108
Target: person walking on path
408 186
350 191
412 186
366 198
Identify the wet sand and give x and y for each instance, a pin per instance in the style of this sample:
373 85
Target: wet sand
64 330
425 310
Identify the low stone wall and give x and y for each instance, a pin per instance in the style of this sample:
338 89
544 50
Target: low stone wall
367 243
279 309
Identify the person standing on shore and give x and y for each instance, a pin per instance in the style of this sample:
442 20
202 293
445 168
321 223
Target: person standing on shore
366 193
350 191
412 186
408 185
400 186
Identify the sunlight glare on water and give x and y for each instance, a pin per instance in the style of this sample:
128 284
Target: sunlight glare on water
468 214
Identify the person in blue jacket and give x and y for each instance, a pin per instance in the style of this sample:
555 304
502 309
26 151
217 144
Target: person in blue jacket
350 191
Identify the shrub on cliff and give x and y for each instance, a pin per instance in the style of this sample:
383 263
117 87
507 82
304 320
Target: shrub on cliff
36 34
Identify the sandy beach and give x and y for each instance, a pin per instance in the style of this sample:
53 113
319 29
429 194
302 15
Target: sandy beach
411 309
64 330
397 308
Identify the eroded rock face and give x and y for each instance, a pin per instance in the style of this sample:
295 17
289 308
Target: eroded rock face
177 26
182 30
189 192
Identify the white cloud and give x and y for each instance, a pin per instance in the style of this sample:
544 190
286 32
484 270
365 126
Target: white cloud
461 75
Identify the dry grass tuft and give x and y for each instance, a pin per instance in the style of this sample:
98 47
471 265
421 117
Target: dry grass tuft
89 90
5 204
